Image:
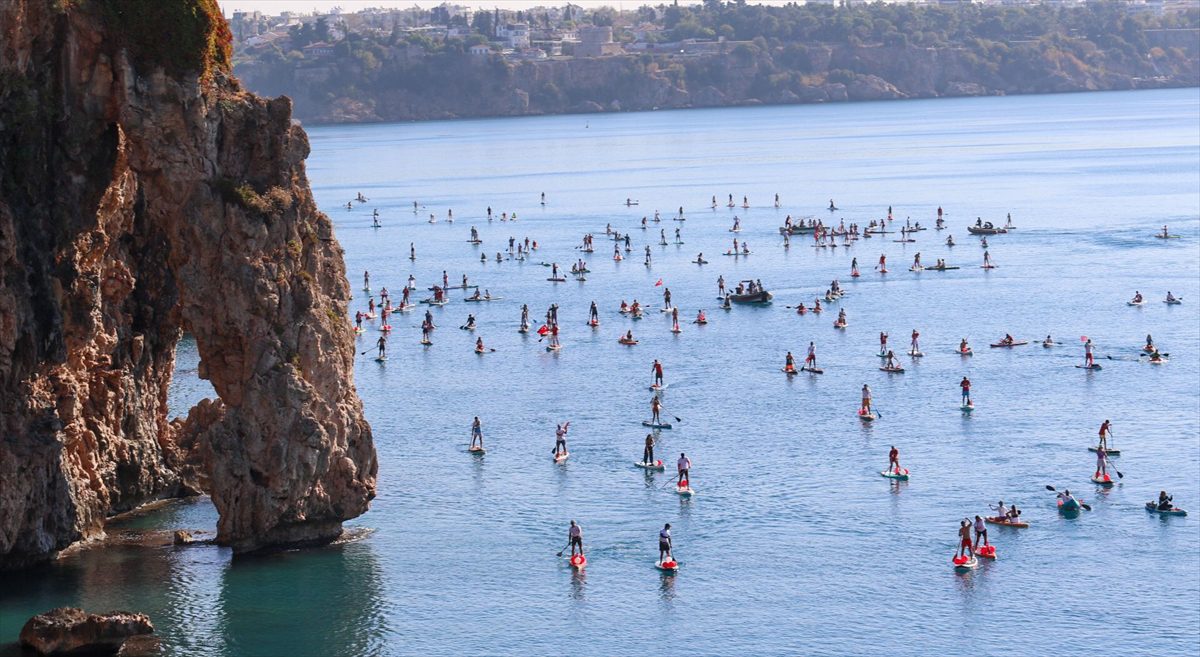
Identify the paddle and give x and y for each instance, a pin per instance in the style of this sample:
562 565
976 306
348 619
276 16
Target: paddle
560 552
1086 506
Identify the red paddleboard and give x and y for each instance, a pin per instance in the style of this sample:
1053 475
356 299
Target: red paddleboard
578 561
987 552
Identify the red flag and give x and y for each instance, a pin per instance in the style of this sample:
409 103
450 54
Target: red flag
658 283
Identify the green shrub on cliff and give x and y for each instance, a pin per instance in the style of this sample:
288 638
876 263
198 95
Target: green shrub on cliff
182 36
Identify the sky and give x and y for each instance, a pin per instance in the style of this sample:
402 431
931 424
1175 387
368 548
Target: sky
307 6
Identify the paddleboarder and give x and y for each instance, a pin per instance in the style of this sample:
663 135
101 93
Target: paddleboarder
664 544
382 343
810 360
1105 431
560 440
575 538
658 373
964 535
1101 463
648 452
965 384
476 432
1089 359
894 460
655 408
683 465
980 532
866 400
789 363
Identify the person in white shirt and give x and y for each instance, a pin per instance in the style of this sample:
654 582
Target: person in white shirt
683 465
575 537
664 544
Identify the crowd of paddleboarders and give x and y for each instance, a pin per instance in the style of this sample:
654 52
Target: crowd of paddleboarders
973 540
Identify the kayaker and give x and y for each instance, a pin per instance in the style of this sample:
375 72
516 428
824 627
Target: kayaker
658 372
575 538
1014 514
964 535
655 408
648 452
866 400
789 363
965 384
1105 431
470 325
664 544
683 465
476 432
894 460
1001 512
980 532
479 348
963 347
1164 501
1065 497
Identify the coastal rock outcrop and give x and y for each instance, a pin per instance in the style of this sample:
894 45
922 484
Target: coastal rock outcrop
69 630
144 194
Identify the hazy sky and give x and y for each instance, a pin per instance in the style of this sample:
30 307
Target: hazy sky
306 6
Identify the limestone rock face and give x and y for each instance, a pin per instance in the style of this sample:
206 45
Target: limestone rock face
68 630
143 194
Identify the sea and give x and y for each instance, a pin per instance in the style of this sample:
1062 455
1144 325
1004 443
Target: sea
792 542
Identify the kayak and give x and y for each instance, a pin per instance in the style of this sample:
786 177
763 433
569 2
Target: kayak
669 566
1093 366
627 342
578 561
1004 522
657 465
902 475
1017 343
987 552
965 564
559 458
1069 507
1173 302
652 425
1173 511
1103 480
1134 303
481 299
967 352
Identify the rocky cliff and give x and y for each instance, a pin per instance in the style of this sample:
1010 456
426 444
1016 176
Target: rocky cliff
143 194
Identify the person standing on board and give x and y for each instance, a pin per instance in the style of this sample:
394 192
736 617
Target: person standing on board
648 452
476 432
866 400
894 460
1105 430
789 363
683 465
980 532
560 439
964 535
575 538
658 373
1101 463
382 343
655 408
664 544
965 384
1089 358
810 360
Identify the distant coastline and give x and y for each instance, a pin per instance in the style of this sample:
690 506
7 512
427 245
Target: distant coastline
356 69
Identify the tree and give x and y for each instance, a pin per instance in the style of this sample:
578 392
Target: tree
604 17
482 23
322 30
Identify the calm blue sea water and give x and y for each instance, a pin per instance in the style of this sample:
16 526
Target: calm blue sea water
793 543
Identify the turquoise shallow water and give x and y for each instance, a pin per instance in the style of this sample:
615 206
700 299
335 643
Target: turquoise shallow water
793 543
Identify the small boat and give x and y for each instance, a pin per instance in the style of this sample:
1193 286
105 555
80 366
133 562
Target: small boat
1173 511
1005 522
986 229
761 296
1071 506
1015 343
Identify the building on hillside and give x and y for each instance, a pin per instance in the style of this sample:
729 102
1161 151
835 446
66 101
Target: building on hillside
597 41
318 49
516 35
480 50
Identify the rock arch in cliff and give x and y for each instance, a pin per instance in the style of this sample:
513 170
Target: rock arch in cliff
137 199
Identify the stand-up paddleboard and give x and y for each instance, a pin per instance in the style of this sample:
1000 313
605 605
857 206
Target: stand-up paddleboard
791 372
668 566
578 561
1135 303
676 331
659 386
657 465
1093 366
358 330
986 551
839 325
380 359
426 342
916 354
965 564
559 458
866 417
1005 522
627 342
812 370
558 279
366 289
684 489
902 475
523 329
968 407
1173 511
1104 480
892 370
553 347
652 425
593 323
1110 452
477 450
